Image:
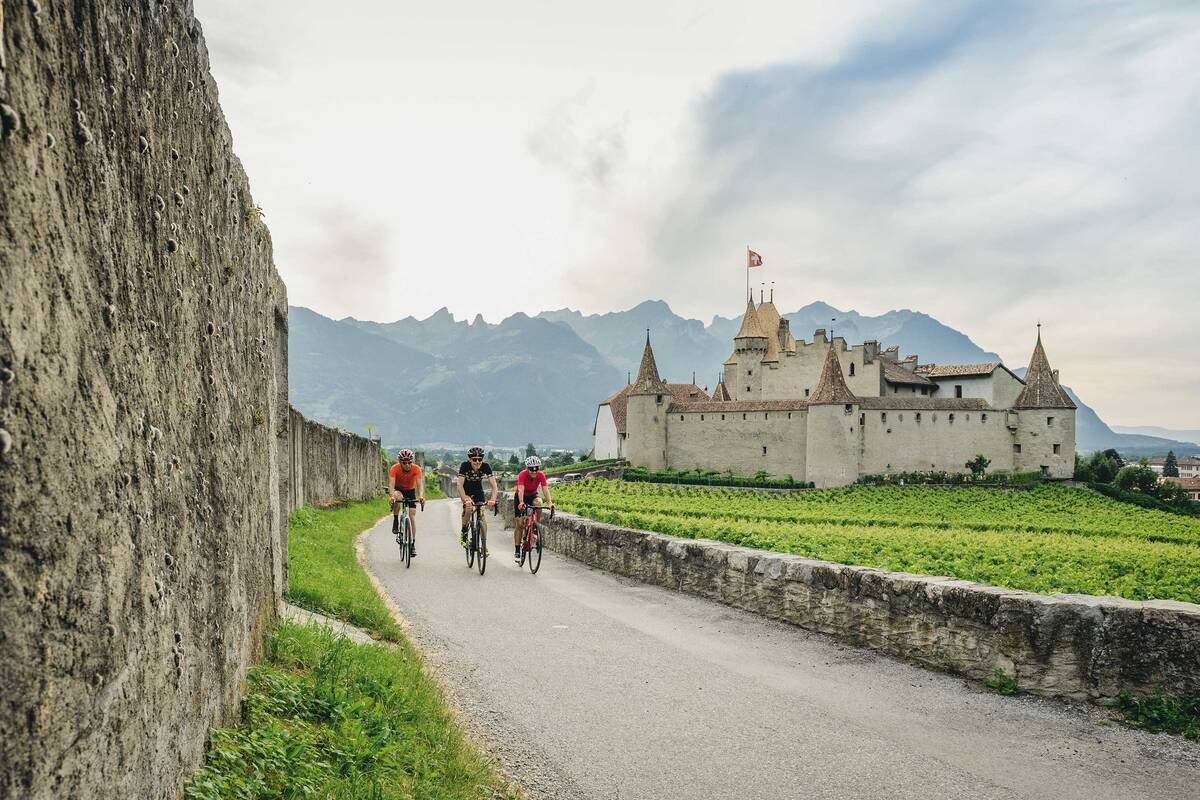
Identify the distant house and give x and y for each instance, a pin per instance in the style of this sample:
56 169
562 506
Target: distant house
608 432
1190 485
1188 467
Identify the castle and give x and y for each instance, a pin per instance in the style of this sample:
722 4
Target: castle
824 412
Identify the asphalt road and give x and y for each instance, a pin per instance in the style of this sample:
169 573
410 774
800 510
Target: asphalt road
586 685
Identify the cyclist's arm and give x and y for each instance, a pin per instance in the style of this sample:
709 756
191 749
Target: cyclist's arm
492 478
546 491
391 484
421 487
462 495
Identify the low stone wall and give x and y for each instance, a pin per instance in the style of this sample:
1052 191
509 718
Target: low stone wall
327 464
1071 646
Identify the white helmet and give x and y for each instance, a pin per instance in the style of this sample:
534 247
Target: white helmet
533 461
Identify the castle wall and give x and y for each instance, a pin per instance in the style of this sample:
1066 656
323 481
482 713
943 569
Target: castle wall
797 374
736 440
1038 431
606 442
917 441
973 386
646 424
832 445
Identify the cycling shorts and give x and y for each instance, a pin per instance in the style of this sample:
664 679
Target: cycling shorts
409 497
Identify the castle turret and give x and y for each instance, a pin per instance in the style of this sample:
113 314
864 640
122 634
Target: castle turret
832 441
743 370
646 415
1045 432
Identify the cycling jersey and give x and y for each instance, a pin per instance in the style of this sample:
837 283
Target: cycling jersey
406 480
531 481
473 478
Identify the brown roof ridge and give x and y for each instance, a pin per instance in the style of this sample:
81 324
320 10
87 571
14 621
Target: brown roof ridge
648 380
831 386
751 326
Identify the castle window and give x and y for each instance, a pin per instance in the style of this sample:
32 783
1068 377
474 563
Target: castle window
918 417
1057 449
902 418
766 416
681 417
658 399
983 417
743 416
764 449
849 408
958 390
749 372
747 390
702 418
883 417
862 419
722 416
924 391
895 390
913 389
789 415
951 419
806 392
1049 420
1016 448
851 370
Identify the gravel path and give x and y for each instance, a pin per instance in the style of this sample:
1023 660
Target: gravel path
586 685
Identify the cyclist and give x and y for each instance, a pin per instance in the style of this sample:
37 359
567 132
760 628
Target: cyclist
528 482
470 488
406 487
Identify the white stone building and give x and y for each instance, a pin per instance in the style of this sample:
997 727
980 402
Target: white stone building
829 413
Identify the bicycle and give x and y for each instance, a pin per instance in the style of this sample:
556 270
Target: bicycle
476 547
404 536
531 542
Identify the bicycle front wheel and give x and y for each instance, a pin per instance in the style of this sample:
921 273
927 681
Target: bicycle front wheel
481 556
535 549
470 548
406 539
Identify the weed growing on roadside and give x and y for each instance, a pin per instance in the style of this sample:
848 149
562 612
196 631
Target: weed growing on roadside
1002 683
1179 715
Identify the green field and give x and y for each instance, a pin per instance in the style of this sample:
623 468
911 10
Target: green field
1050 539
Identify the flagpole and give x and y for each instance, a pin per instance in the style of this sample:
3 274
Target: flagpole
747 270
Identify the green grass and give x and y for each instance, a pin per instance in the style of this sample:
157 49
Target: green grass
323 571
1048 539
1178 715
326 718
433 489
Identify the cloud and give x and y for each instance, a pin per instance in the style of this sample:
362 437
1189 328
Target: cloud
990 164
344 261
587 155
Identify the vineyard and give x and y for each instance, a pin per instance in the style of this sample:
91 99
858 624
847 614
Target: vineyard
1049 539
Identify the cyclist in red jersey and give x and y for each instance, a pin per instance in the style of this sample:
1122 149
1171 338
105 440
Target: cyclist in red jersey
529 482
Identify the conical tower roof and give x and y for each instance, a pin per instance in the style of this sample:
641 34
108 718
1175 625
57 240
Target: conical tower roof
831 386
721 393
648 380
768 320
751 325
1042 389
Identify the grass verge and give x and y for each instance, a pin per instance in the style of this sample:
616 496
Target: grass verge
323 570
1178 715
324 717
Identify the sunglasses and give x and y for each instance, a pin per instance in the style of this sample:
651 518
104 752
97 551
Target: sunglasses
476 459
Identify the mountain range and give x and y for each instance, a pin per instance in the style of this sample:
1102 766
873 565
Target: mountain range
539 379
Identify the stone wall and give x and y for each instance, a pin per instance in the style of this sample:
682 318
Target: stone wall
141 327
1070 646
326 464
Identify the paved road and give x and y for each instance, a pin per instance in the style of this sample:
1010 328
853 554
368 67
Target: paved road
586 685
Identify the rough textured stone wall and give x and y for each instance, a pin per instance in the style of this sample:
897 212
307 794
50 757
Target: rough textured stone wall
735 440
1070 646
898 440
140 384
327 464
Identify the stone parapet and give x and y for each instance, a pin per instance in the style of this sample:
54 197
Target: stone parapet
1069 646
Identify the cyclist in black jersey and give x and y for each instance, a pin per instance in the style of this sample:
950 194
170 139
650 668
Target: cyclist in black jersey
470 488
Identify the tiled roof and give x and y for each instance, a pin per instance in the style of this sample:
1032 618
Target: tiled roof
617 404
894 373
956 370
648 380
1190 484
831 386
1041 388
768 321
729 362
1186 461
684 392
888 402
738 405
751 327
721 393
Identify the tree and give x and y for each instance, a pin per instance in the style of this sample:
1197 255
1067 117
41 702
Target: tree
1115 457
978 465
491 456
513 460
1170 466
568 457
530 450
1137 478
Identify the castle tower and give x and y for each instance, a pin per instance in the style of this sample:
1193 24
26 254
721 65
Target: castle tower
646 415
832 440
743 370
1045 435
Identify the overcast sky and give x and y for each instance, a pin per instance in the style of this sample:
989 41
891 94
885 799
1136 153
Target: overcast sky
990 164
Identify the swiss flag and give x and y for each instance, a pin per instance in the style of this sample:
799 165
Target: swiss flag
755 260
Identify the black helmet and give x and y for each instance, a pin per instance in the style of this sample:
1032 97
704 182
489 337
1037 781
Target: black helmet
475 452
